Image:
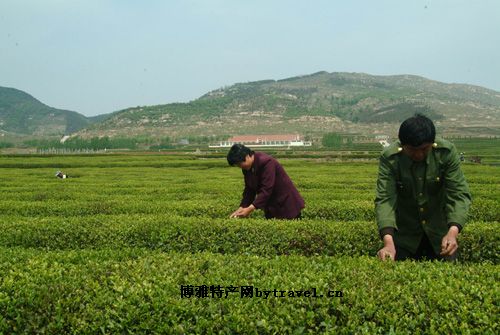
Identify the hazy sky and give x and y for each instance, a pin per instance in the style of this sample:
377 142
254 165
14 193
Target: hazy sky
99 56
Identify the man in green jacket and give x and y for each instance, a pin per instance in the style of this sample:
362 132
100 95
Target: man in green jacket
422 197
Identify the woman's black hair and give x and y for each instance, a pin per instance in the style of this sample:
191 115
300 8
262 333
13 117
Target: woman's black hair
417 130
238 153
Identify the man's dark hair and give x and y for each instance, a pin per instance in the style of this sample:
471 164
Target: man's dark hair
417 130
238 153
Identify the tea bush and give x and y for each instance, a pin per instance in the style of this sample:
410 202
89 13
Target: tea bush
107 250
478 241
139 291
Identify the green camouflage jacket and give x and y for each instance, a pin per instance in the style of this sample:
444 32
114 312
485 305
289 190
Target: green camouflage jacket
421 197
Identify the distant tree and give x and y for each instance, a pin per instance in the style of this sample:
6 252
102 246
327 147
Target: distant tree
331 140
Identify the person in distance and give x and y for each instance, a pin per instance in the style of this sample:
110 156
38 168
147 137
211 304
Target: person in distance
422 198
267 186
61 175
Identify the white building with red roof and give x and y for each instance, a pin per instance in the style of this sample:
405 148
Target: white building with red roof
289 140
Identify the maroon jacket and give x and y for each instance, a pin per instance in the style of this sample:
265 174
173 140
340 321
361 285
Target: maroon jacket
268 187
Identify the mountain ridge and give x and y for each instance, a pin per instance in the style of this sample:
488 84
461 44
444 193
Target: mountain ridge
318 102
21 113
343 102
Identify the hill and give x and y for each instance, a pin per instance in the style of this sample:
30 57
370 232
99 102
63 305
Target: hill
311 104
22 114
340 102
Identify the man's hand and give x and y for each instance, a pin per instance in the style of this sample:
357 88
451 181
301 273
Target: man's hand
389 250
449 243
243 212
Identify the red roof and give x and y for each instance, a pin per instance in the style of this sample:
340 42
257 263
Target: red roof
263 138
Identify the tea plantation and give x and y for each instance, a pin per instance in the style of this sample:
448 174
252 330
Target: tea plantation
143 244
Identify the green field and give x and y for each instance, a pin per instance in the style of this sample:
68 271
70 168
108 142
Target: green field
107 251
